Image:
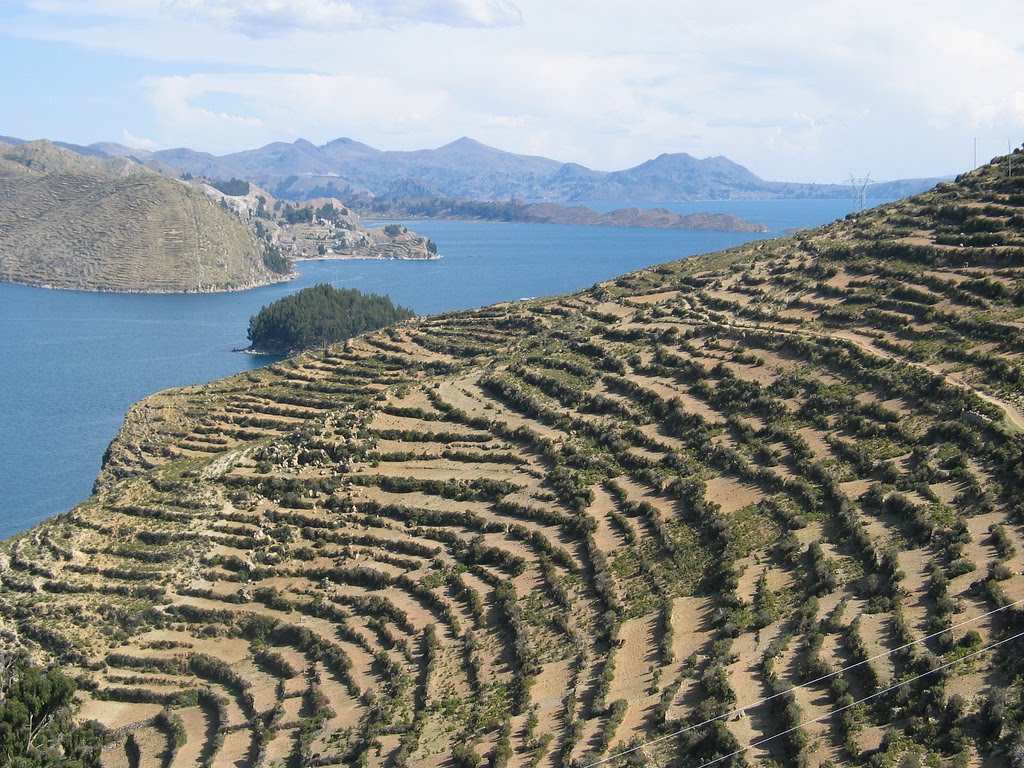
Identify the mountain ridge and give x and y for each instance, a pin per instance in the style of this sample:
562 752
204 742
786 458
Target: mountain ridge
469 169
466 168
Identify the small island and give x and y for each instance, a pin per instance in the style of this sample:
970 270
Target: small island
319 316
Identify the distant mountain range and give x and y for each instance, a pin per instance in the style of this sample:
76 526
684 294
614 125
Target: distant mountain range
467 169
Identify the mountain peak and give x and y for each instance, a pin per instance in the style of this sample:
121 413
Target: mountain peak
345 146
466 143
342 141
469 168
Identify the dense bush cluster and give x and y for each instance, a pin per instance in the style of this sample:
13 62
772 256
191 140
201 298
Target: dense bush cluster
319 316
232 186
36 725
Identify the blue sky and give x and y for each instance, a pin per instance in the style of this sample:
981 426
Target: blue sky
801 91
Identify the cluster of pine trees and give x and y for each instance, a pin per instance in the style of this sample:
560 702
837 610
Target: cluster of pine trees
318 316
233 187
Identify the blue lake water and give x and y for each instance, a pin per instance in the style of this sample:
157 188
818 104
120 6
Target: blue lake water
71 363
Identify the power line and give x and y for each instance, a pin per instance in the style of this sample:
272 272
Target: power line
766 699
874 695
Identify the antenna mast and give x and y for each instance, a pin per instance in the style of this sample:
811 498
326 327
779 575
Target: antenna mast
860 187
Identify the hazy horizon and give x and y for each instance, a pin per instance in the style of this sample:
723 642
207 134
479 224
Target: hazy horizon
803 92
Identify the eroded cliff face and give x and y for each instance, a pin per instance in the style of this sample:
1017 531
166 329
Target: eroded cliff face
547 530
111 225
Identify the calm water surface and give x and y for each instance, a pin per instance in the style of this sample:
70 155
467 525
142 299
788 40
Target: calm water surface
71 363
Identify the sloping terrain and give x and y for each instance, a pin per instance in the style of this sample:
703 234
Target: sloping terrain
467 169
761 505
86 223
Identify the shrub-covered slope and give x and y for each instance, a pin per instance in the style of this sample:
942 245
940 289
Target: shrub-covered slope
761 505
110 225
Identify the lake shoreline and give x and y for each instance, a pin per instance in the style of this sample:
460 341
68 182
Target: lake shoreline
200 292
345 257
589 217
75 361
204 291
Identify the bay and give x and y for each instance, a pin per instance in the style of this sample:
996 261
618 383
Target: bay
71 363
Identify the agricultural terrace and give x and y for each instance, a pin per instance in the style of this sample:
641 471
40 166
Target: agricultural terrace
543 533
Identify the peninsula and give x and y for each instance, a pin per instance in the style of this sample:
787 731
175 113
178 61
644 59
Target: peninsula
321 228
94 224
88 223
762 506
548 213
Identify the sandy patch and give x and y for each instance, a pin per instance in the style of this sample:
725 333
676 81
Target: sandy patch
117 714
607 536
197 731
653 298
691 625
732 495
234 752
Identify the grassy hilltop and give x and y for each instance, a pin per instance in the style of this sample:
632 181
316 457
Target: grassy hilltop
75 222
542 532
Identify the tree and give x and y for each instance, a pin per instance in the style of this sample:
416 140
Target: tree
232 187
318 316
36 725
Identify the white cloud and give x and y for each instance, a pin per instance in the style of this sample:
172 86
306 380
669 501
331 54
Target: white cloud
118 8
138 142
271 17
271 107
799 90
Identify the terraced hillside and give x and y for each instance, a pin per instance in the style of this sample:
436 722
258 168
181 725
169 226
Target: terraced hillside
110 225
762 505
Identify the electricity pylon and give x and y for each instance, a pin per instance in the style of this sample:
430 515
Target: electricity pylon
860 187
